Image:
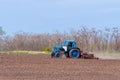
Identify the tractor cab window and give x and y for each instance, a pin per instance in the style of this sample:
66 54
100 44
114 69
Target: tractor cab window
70 44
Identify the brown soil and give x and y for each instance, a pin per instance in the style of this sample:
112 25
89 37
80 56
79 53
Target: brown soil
42 67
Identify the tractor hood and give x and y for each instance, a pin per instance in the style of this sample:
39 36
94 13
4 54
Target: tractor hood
57 48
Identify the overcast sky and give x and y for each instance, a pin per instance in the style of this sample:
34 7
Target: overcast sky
41 16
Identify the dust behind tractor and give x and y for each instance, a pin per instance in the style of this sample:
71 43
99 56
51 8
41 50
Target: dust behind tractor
69 49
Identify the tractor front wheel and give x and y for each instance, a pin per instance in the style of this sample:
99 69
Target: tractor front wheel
52 54
60 54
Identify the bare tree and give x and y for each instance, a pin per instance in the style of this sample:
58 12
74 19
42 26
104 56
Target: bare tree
87 39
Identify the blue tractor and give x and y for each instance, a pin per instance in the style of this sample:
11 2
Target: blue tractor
67 49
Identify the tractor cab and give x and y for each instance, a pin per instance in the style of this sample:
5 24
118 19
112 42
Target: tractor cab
69 44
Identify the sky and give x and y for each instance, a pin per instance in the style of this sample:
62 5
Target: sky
49 16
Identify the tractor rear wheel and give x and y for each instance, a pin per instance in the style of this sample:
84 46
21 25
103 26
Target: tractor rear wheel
74 53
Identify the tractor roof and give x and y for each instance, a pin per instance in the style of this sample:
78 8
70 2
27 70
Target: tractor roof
70 41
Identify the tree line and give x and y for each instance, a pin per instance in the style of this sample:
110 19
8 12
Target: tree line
87 40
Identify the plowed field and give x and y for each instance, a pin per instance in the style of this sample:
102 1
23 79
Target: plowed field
42 67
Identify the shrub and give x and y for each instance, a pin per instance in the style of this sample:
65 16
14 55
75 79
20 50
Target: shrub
48 49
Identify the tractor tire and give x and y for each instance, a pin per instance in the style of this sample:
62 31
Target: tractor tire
74 53
60 54
52 54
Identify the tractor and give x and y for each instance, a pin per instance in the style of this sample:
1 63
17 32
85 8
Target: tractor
69 49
